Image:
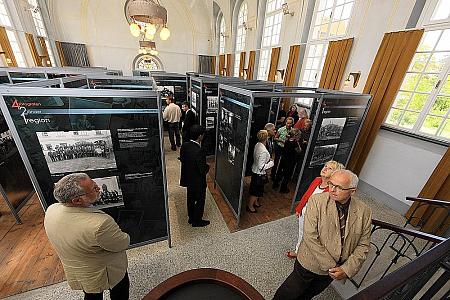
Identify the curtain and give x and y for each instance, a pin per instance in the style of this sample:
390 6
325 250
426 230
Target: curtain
241 64
291 68
335 63
274 58
251 65
6 46
438 188
206 64
34 52
229 65
72 54
384 80
222 64
60 53
44 51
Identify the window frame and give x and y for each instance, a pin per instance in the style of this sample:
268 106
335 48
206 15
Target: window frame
435 92
265 51
154 58
222 32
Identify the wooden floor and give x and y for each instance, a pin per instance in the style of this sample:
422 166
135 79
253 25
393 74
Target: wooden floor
274 205
27 260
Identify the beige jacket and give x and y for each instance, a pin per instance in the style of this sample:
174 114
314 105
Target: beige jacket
320 248
172 113
90 244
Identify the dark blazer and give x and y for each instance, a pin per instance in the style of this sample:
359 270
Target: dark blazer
189 120
193 166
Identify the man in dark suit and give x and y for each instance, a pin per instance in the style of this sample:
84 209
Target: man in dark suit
193 175
188 121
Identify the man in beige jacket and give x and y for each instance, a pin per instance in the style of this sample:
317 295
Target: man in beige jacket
90 244
336 239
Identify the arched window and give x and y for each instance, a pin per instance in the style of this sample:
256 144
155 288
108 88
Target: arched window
240 36
271 34
147 62
222 36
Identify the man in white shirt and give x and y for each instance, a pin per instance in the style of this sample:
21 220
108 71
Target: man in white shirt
172 114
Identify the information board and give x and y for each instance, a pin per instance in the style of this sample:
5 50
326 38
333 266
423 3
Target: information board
232 139
113 136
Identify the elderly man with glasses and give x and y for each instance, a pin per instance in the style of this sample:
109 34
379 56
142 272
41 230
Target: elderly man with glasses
90 244
336 239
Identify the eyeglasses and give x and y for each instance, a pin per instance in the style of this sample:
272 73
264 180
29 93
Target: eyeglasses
95 189
338 187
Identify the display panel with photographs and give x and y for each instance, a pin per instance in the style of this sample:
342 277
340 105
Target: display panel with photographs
121 151
234 113
337 122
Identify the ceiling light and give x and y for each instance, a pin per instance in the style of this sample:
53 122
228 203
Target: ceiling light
164 34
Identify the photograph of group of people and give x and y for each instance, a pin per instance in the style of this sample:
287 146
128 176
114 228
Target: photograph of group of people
110 192
6 143
74 151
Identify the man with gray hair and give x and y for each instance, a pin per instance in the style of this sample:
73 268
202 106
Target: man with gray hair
90 244
336 239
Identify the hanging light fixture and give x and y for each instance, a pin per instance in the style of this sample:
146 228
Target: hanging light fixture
147 47
146 17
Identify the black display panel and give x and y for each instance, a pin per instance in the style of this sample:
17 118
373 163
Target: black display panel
195 100
119 84
234 114
177 85
18 77
115 139
15 183
337 122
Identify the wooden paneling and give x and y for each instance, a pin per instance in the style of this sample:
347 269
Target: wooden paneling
291 68
251 65
44 50
335 63
241 64
274 58
222 64
60 53
229 68
33 49
6 46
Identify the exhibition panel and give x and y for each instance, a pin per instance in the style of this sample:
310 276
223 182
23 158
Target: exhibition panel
336 126
15 184
119 82
235 108
114 136
173 82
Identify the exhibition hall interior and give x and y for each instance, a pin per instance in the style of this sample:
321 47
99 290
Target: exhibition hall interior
224 149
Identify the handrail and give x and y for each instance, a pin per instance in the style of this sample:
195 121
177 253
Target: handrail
405 274
429 201
415 233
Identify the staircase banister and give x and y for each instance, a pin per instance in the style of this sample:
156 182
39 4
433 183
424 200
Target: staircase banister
429 201
415 233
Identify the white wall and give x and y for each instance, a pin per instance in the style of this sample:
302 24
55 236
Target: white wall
102 26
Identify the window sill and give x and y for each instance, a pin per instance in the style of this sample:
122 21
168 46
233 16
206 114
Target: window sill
416 136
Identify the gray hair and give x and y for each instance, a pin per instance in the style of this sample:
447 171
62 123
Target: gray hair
269 126
352 176
68 187
302 112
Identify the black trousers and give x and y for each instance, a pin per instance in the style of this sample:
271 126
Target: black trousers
195 203
278 151
174 129
285 170
302 284
120 291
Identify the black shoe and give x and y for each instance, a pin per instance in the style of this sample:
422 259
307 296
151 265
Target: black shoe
275 186
251 211
189 221
201 223
174 148
284 191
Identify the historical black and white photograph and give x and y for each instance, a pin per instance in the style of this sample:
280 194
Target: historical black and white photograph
331 128
220 142
77 151
209 122
213 102
194 99
226 121
110 192
322 154
231 153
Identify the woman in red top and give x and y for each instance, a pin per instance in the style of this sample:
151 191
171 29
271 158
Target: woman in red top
319 185
293 113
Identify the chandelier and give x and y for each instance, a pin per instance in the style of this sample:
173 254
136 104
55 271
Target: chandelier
146 18
147 47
